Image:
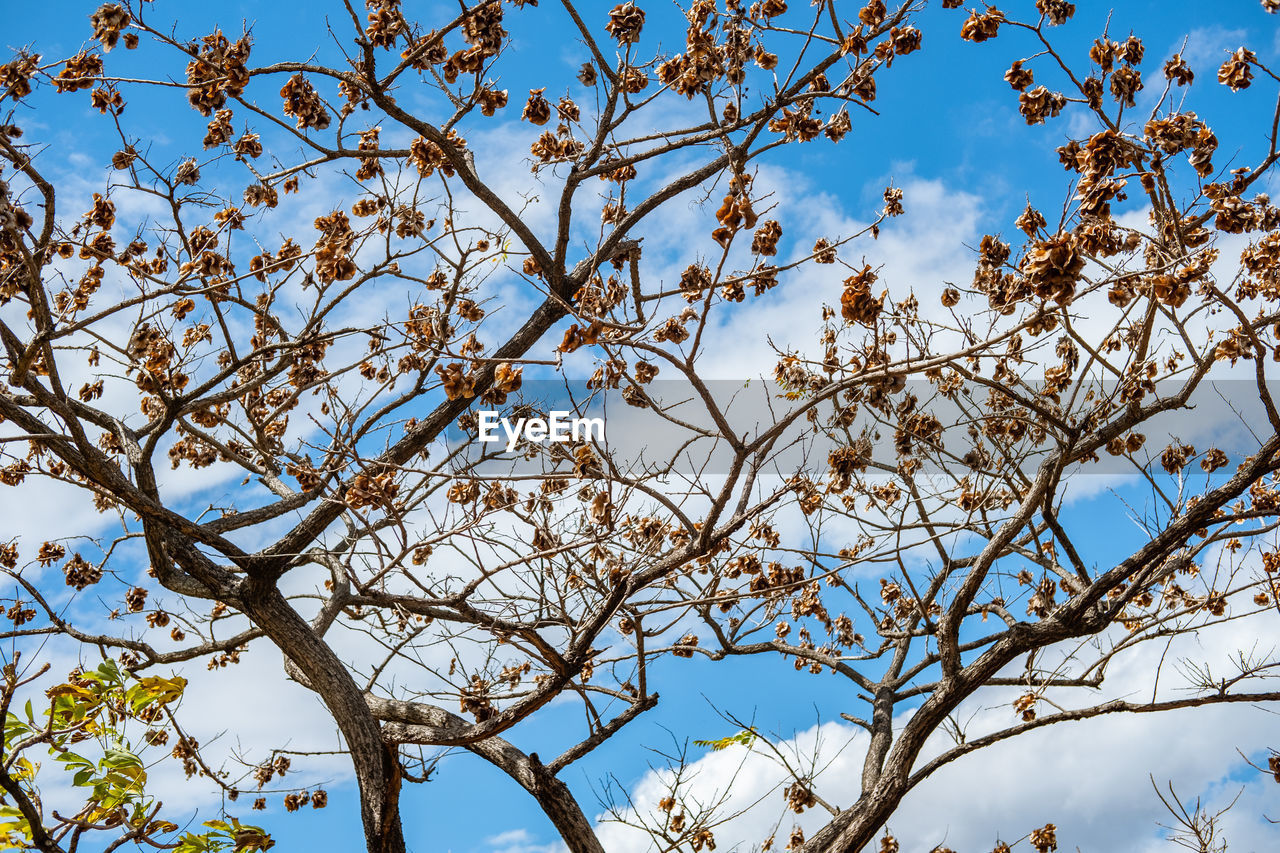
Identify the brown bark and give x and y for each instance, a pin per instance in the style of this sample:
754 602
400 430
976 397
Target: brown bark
376 764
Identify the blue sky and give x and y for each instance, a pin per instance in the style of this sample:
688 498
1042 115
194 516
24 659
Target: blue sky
948 125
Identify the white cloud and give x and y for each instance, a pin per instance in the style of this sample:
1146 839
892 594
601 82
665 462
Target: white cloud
1208 46
520 841
918 252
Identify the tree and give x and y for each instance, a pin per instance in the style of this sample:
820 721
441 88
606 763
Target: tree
96 708
436 591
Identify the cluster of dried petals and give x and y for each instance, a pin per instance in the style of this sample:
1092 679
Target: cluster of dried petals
193 451
694 282
469 61
261 195
1132 50
218 72
893 201
491 100
1178 71
552 147
135 599
370 166
426 51
823 251
537 110
735 211
683 648
219 130
474 700
1201 157
306 369
430 157
904 40
302 102
981 26
765 240
69 302
1171 134
283 261
1040 104
16 74
1262 261
1174 133
1056 12
1018 77
625 22
1236 71
80 573
108 21
386 23
845 462
672 330
762 278
248 145
107 99
1103 53
1030 221
576 336
457 383
617 174
1234 215
633 80
482 27
769 9
78 72
376 490
798 124
1126 82
14 220
1044 839
799 797
857 305
333 262
587 74
704 61
1053 266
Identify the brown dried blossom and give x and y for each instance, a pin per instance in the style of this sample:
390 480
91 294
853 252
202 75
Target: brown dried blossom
1056 12
1177 70
301 102
981 26
625 22
108 21
1019 77
1040 104
1237 72
537 110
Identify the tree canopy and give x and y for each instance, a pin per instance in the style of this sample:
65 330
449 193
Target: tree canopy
262 297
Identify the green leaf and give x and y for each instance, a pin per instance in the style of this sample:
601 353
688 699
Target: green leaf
242 837
746 738
155 689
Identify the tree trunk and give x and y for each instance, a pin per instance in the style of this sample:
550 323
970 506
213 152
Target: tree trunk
376 765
